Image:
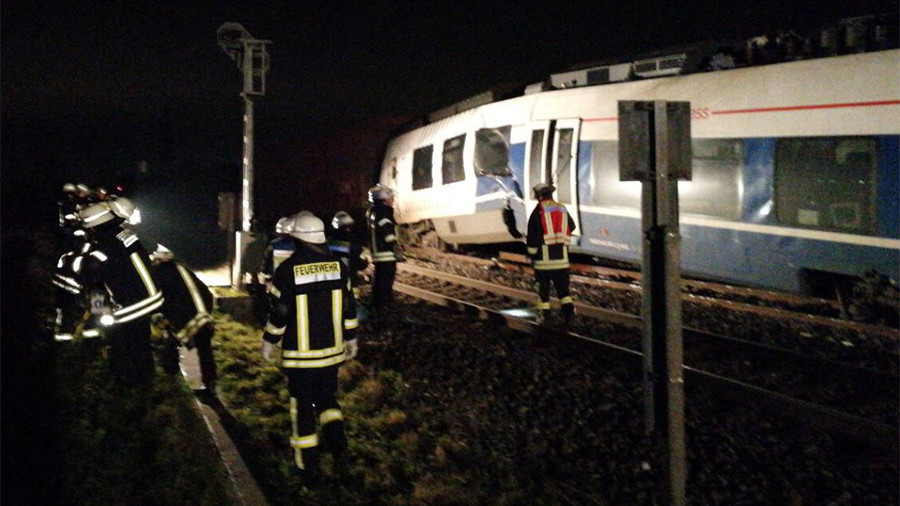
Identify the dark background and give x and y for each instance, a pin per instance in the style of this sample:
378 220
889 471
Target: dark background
140 94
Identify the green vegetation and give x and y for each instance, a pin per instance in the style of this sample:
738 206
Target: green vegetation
150 446
396 459
122 445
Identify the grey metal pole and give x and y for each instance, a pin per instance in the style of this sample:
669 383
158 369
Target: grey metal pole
247 182
253 61
654 147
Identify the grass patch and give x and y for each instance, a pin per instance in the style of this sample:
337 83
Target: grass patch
121 445
396 459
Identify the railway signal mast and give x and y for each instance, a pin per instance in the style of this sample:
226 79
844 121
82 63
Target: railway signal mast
655 149
253 61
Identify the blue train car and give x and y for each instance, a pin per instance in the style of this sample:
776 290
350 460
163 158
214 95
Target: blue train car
795 168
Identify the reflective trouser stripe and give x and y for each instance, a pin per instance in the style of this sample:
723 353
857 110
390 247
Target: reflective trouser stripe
330 415
300 442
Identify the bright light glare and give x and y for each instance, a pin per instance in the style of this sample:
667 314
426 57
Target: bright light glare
518 312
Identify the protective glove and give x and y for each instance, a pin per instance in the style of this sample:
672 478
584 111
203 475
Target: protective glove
351 348
268 348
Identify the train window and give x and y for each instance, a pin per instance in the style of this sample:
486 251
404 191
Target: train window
605 187
716 175
452 165
492 152
826 183
536 159
564 163
421 174
714 189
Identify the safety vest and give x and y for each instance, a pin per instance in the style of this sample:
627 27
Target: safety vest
549 229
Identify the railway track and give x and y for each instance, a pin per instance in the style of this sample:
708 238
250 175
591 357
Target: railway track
766 303
843 398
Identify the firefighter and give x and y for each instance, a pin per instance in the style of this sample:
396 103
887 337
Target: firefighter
74 198
123 291
345 245
314 319
547 243
185 318
73 313
280 248
386 251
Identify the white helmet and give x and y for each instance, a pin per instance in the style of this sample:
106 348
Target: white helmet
307 227
380 192
122 207
96 214
342 219
281 224
82 190
162 253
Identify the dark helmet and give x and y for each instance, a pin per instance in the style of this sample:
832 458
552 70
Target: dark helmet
380 192
281 225
542 190
342 219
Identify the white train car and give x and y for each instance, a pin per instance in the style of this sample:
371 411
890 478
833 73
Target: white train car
795 169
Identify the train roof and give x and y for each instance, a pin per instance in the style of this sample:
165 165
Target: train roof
847 36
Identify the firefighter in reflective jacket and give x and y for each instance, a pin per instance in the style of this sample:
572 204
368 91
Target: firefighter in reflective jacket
185 318
549 229
72 307
386 251
315 321
345 245
278 250
119 267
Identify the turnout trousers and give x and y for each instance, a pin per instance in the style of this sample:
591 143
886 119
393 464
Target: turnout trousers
383 285
559 279
313 394
130 352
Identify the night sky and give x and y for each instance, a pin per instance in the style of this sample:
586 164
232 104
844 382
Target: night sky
89 89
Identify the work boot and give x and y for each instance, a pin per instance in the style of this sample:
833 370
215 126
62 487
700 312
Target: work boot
568 311
308 478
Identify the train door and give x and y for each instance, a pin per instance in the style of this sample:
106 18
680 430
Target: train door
564 166
537 167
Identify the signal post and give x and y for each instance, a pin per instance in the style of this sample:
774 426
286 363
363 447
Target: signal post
655 149
253 62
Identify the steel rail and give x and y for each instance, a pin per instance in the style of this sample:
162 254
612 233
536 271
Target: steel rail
877 434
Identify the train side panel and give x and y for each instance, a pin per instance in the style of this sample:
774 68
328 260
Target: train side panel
795 165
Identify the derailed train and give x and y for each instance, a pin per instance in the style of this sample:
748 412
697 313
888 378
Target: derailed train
795 172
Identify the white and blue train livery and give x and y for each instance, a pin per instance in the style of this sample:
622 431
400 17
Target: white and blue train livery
795 173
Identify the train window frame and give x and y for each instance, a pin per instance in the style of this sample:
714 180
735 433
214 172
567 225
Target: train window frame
536 157
565 163
421 168
820 183
452 160
491 156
